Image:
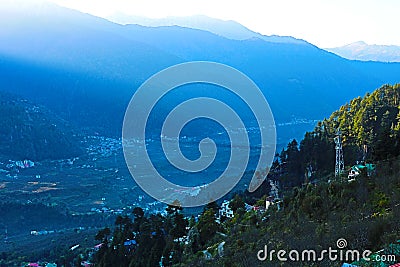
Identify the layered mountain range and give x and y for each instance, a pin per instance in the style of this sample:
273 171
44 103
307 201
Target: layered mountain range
85 69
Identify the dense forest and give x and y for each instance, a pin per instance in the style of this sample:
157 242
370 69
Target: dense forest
315 210
370 130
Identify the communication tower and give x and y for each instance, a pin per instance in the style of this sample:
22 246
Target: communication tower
339 166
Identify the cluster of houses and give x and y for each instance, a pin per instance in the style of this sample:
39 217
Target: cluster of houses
154 207
48 264
12 168
107 210
43 232
40 264
104 146
21 164
130 245
273 199
48 232
224 212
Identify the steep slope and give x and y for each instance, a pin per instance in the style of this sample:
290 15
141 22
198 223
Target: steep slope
29 131
370 132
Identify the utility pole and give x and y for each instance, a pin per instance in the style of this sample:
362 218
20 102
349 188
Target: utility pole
339 166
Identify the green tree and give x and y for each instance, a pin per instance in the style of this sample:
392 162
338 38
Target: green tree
207 226
236 203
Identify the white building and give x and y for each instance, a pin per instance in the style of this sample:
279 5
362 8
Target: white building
225 210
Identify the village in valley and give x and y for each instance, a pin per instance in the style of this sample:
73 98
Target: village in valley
92 189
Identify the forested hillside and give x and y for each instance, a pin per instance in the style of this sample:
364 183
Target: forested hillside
29 131
370 130
313 213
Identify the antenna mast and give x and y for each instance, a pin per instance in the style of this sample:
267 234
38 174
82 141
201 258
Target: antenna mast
339 166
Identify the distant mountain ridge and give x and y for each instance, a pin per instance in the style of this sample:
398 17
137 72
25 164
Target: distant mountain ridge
86 69
227 28
365 52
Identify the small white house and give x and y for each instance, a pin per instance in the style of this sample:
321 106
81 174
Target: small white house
225 210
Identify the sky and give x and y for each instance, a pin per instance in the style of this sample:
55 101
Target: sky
325 23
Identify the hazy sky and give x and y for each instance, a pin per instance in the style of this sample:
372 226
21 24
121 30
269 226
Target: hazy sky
326 23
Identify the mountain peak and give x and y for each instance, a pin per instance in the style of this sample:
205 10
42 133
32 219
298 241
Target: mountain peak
358 43
362 51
